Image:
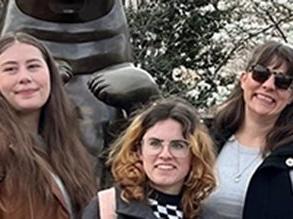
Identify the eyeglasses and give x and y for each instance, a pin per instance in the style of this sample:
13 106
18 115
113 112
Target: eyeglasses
261 74
178 148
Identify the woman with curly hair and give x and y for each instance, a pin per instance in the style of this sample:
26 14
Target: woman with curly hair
162 166
44 167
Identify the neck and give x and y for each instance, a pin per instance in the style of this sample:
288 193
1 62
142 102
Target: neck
169 190
31 121
253 132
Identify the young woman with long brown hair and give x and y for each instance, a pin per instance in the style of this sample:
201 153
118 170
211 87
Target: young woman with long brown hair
45 170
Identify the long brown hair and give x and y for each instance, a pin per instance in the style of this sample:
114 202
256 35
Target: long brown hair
63 153
127 168
230 115
21 163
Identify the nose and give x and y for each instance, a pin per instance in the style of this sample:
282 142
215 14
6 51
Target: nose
24 76
269 83
165 152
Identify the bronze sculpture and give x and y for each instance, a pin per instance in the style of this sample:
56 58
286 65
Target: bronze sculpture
89 38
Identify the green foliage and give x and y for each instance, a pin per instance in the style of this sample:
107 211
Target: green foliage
166 34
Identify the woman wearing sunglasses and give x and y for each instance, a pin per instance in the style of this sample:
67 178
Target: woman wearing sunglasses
162 166
253 130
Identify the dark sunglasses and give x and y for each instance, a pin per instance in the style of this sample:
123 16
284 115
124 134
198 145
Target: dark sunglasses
261 74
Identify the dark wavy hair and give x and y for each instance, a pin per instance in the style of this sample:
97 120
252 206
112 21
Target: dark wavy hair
64 154
230 115
127 167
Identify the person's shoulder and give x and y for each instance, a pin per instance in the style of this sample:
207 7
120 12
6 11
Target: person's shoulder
92 209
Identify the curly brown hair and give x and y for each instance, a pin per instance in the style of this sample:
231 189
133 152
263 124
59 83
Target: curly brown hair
127 167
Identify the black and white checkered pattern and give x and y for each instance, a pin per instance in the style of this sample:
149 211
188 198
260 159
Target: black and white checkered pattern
165 211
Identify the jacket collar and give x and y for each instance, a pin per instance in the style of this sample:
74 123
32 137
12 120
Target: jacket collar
137 209
278 157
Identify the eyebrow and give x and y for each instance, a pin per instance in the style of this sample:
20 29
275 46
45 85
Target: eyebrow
180 140
15 62
154 138
9 63
33 60
174 140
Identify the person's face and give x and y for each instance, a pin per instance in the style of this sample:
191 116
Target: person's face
24 77
166 156
265 100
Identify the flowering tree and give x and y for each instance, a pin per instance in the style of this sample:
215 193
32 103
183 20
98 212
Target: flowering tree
173 41
195 48
252 22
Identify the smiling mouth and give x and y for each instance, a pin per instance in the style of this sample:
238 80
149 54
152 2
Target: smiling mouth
264 98
26 92
165 166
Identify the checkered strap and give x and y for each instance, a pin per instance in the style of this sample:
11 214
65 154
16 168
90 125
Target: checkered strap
167 211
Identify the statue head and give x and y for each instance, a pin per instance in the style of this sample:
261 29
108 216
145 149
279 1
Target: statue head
68 11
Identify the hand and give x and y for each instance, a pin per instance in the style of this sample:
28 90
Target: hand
123 86
65 70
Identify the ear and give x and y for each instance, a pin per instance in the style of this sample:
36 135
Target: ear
243 79
139 151
139 154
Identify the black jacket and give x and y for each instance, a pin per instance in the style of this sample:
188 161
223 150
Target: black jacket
132 210
270 191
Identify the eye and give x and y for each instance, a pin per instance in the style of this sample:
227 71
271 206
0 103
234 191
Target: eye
179 145
9 69
34 66
260 73
154 143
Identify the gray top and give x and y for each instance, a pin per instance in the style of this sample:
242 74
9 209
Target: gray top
236 164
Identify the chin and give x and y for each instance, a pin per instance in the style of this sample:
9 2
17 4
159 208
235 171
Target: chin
29 109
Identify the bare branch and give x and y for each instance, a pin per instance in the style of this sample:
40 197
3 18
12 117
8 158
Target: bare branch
242 41
277 26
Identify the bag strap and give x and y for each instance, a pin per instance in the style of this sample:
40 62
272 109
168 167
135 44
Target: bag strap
107 203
